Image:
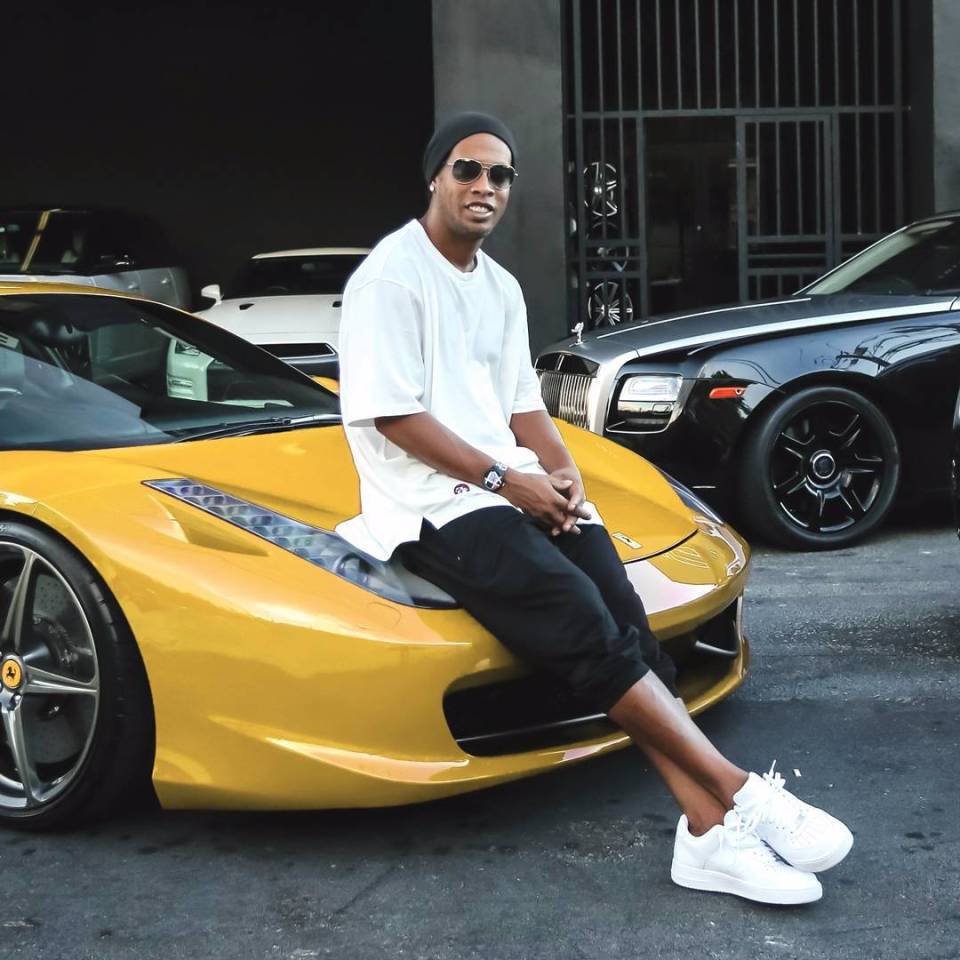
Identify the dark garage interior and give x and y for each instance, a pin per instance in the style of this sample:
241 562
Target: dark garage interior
240 127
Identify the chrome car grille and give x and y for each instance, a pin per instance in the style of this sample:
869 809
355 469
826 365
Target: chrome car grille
565 395
565 380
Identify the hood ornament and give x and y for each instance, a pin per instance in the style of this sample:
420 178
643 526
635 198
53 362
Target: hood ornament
578 330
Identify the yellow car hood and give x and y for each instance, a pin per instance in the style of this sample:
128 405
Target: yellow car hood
308 475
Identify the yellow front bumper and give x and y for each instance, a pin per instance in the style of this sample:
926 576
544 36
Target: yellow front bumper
338 701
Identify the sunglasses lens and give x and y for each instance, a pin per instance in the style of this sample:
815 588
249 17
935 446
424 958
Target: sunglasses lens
466 171
501 176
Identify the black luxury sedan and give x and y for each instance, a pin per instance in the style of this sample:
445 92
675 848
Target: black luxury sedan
805 415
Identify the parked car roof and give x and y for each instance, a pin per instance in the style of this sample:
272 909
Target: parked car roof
315 252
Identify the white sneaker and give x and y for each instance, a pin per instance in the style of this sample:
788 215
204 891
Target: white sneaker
805 836
731 859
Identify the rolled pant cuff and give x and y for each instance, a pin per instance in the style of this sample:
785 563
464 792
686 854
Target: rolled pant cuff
610 694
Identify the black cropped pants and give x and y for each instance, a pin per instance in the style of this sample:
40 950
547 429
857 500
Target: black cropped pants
561 603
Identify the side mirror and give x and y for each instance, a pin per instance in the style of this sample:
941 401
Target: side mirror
212 292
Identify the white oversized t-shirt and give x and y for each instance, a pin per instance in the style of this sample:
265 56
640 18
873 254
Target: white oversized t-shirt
417 334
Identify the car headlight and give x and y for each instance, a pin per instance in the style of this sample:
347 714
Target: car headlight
649 399
648 402
650 389
315 545
690 499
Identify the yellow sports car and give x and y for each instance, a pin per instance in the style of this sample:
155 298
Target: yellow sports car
175 603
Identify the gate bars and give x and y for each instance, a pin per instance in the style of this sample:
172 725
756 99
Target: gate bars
821 79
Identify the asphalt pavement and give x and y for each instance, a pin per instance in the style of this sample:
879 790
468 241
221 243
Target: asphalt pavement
854 690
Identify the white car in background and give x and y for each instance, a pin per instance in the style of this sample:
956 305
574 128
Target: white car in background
288 302
95 248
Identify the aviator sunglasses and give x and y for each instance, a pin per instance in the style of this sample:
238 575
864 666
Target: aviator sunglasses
500 175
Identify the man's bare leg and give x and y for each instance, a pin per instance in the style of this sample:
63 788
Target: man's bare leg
702 809
693 768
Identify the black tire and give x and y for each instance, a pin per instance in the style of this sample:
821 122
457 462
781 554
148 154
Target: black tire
848 468
115 765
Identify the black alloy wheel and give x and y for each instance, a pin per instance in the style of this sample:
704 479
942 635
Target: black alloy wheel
609 305
76 721
820 470
601 189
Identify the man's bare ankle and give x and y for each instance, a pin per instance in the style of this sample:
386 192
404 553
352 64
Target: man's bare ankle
698 828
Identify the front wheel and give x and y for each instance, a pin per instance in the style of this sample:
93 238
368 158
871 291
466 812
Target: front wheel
77 727
819 471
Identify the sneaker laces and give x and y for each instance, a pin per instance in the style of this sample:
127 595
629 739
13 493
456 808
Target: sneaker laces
779 807
743 840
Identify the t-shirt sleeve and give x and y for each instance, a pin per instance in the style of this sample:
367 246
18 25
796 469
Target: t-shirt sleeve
381 353
527 397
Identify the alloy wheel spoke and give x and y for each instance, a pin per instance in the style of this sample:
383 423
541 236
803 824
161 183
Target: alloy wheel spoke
11 634
13 727
850 500
791 485
817 522
849 435
815 428
41 681
793 446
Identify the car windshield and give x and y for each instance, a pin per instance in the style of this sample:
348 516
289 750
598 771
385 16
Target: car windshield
923 259
294 275
17 230
90 371
44 241
56 242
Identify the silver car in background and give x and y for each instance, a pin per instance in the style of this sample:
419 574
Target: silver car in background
99 248
288 302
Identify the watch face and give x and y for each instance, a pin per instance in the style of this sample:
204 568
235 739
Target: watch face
493 480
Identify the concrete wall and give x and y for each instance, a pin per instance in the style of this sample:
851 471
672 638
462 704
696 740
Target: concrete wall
504 57
239 125
946 104
918 122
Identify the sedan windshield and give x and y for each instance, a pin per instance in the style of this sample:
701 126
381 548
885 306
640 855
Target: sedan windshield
293 276
923 259
89 371
44 241
17 230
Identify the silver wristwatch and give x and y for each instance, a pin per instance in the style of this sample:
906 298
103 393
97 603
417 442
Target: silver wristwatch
494 478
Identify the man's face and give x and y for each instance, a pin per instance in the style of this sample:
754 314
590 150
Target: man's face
472 209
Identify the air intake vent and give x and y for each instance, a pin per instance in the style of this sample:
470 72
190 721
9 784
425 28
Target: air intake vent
299 351
536 712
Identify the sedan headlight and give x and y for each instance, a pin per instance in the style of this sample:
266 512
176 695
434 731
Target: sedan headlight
313 544
646 403
650 389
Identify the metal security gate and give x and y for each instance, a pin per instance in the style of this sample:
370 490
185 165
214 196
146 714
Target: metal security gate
785 211
725 149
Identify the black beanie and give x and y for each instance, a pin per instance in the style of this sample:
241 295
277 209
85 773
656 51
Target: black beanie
457 128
